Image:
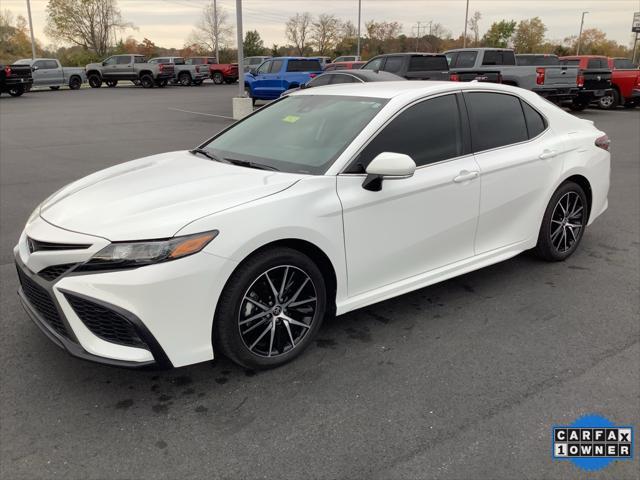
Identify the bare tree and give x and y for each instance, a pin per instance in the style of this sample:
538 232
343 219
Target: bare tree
297 31
213 30
474 26
324 32
348 30
90 24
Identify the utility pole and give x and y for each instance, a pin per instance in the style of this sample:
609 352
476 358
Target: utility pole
33 40
215 28
418 29
240 47
580 34
466 19
359 14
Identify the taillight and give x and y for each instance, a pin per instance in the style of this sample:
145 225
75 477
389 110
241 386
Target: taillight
7 71
580 80
540 76
603 142
454 77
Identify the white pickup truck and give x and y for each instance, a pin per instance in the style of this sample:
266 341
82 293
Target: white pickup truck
48 72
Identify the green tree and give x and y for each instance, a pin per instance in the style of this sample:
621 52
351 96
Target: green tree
253 44
499 34
529 36
14 37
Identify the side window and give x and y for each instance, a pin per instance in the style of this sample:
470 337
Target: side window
51 64
535 122
451 58
374 64
178 61
393 64
496 120
276 66
320 80
264 68
499 57
110 61
623 63
139 60
40 64
428 132
466 59
342 78
123 60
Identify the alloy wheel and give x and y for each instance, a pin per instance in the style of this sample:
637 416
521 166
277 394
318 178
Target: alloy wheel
567 222
277 311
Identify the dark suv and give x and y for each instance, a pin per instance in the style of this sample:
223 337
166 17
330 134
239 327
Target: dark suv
412 66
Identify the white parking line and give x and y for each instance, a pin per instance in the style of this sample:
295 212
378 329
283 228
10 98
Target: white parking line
200 113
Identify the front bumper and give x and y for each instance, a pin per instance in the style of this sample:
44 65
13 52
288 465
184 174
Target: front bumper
158 315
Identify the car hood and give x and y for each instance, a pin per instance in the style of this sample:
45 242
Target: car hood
154 197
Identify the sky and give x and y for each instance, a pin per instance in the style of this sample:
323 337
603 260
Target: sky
169 22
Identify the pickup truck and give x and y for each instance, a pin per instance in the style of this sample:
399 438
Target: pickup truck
277 75
132 68
219 72
625 79
183 73
48 72
556 83
594 80
15 79
412 66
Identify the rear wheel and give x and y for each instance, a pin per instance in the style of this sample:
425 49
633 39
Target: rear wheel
17 90
609 102
217 78
111 83
75 83
563 224
95 81
146 81
184 79
271 309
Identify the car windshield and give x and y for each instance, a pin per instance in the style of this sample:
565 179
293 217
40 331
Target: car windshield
299 133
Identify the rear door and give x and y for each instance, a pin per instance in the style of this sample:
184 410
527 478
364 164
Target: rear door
519 157
55 70
124 67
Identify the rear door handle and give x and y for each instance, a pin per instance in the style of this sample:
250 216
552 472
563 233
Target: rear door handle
466 175
547 154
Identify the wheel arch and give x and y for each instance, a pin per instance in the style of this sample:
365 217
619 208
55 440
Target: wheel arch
585 185
94 72
75 75
145 72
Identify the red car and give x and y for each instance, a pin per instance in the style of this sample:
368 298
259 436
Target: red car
625 79
343 66
219 72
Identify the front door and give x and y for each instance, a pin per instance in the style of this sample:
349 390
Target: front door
417 224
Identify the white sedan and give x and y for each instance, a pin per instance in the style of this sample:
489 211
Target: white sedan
318 204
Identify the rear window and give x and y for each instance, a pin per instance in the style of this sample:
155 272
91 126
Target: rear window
303 66
570 62
497 120
537 60
420 63
393 64
597 63
499 57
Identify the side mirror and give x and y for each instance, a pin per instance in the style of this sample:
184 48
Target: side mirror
104 64
34 68
253 71
389 165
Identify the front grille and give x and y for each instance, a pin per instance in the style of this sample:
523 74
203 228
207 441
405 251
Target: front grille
41 301
38 246
105 323
54 271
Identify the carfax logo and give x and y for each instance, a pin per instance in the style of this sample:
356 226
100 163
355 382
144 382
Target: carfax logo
592 442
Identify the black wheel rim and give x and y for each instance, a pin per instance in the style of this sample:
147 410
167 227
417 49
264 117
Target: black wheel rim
277 311
567 222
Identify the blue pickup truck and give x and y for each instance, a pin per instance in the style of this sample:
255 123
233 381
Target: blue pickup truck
279 74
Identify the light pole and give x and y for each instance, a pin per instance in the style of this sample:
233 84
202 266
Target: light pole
240 48
215 28
33 41
580 34
466 17
359 12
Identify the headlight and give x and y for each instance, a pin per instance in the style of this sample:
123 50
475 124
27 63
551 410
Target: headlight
137 254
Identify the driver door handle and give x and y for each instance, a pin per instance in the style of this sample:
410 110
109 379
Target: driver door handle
466 175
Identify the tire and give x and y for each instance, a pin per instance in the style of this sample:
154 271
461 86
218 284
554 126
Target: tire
563 224
260 278
146 81
162 83
17 91
578 106
609 102
217 78
198 82
247 92
75 83
184 79
111 83
95 81
56 87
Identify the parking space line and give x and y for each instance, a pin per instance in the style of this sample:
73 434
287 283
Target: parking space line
201 113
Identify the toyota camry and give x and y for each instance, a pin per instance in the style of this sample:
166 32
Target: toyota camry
320 203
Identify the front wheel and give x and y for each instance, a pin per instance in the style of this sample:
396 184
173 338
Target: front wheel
146 81
563 223
270 309
217 78
75 83
111 83
95 81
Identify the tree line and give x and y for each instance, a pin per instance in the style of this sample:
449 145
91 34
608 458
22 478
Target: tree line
93 29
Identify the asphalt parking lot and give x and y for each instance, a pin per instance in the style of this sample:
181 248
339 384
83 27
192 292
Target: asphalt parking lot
460 380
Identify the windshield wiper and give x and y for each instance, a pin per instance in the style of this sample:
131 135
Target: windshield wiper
246 163
208 154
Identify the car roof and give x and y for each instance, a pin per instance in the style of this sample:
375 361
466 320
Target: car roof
415 88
